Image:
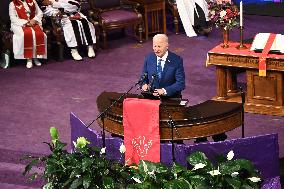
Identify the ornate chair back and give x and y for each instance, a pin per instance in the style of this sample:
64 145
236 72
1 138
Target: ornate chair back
113 14
105 4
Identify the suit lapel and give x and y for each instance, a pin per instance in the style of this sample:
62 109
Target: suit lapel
154 63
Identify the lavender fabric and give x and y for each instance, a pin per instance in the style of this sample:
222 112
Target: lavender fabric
263 150
118 16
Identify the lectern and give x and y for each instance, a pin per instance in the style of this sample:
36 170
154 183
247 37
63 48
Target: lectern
202 120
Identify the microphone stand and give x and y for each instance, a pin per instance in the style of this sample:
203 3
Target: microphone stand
172 126
243 111
102 114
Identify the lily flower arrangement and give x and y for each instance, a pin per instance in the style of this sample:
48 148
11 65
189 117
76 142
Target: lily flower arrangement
87 167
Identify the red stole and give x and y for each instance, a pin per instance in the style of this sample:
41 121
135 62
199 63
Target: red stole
265 51
28 36
141 130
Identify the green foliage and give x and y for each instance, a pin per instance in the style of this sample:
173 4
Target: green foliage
88 168
84 168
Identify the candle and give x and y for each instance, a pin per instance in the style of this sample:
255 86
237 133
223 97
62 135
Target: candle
241 13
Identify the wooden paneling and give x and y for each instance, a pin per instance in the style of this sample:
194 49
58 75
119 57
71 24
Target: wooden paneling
265 90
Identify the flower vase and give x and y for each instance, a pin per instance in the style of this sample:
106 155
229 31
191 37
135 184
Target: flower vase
225 38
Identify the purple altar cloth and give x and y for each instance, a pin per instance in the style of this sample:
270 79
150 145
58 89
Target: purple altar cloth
263 150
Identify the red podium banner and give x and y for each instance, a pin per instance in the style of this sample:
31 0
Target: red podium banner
141 130
263 56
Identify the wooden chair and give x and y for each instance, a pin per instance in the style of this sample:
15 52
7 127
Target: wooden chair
172 8
113 14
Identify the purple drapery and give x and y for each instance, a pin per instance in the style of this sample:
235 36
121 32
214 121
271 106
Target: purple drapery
263 150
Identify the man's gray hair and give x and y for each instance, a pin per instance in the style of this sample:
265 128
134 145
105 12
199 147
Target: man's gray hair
161 36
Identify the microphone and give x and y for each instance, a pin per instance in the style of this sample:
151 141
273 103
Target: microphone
151 82
142 78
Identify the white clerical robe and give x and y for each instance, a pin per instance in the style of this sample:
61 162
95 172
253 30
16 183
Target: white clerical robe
186 9
68 29
18 36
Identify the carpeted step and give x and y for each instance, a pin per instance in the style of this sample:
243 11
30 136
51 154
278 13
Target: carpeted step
11 175
13 186
11 171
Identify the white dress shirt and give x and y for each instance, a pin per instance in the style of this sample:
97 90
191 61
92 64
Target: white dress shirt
164 59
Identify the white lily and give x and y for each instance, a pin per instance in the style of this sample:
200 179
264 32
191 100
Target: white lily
254 179
230 155
152 174
136 180
122 149
234 174
103 150
74 143
175 175
145 166
214 172
198 166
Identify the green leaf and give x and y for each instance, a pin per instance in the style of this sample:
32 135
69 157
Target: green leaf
86 182
59 145
245 164
148 166
30 165
176 168
108 182
197 180
235 183
181 183
76 183
245 186
203 185
67 183
229 167
74 173
33 176
86 163
197 157
221 158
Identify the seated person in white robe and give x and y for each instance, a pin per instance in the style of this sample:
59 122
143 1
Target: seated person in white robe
76 28
194 17
29 41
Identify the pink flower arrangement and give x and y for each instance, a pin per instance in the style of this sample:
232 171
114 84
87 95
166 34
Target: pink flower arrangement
223 13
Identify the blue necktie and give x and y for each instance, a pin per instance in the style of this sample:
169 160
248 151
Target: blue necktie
159 69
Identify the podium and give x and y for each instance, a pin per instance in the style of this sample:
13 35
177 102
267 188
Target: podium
202 120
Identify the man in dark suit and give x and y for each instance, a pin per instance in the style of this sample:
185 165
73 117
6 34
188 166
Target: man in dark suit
165 75
164 69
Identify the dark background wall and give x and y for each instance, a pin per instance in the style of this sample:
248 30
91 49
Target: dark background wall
263 7
4 9
258 7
